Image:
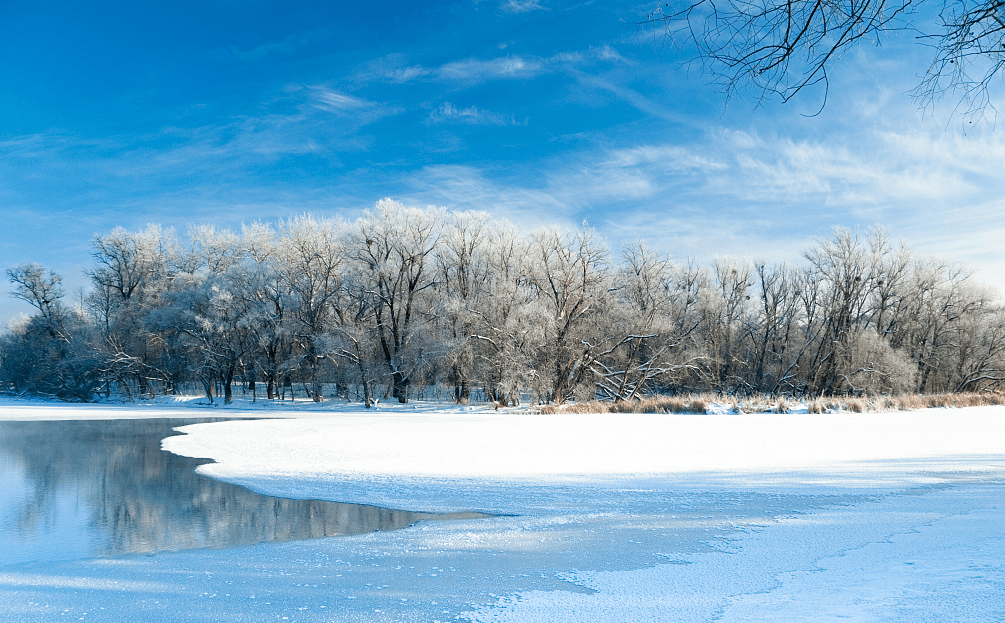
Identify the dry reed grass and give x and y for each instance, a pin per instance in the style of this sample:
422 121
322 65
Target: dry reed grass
699 403
653 404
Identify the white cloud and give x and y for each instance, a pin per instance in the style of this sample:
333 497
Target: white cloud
665 158
353 112
187 156
326 99
406 74
521 6
608 53
472 115
876 169
473 69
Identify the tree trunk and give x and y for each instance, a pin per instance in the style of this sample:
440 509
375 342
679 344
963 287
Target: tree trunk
400 387
144 386
367 401
462 393
228 391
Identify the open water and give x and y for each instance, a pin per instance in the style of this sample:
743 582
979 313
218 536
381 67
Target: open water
104 488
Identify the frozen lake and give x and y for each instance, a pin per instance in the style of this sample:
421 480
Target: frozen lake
722 517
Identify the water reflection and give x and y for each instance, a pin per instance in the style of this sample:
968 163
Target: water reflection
72 489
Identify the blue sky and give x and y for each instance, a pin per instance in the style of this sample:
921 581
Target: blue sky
540 111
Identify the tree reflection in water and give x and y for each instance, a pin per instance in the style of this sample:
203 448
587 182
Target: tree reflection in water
138 498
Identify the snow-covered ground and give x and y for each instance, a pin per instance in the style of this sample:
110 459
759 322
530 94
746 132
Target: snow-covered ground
614 517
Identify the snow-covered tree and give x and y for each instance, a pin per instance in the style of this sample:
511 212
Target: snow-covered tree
394 247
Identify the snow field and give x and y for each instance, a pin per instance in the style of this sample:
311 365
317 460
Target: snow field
440 457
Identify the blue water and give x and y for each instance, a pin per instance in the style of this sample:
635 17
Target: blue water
104 488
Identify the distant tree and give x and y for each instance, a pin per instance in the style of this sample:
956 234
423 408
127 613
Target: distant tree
49 353
870 366
351 341
40 290
218 325
270 293
772 326
980 361
842 266
725 311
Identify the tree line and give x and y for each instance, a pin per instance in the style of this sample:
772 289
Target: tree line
405 298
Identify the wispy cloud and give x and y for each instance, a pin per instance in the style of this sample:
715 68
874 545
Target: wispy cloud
880 168
406 74
472 115
326 99
565 190
361 111
881 175
667 158
607 53
474 70
658 107
625 201
521 6
298 124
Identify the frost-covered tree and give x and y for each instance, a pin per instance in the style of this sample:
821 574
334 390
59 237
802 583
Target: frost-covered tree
654 345
508 328
406 297
569 278
270 294
42 290
773 327
48 353
312 259
465 283
133 269
394 247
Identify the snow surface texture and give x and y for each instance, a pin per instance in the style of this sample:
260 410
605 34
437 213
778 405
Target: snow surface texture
723 517
438 461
